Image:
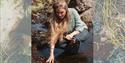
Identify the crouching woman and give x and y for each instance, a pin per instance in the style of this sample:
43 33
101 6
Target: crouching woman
66 27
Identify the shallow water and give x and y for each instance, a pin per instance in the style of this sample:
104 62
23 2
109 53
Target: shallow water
85 53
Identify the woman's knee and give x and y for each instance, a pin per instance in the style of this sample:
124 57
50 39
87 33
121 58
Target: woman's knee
82 36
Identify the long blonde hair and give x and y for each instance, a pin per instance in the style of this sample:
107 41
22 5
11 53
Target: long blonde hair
58 28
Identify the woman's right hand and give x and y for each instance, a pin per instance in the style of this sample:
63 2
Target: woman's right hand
50 59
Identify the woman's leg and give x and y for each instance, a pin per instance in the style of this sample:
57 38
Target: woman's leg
73 48
82 36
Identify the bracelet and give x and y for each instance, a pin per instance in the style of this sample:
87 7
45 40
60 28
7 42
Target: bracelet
51 48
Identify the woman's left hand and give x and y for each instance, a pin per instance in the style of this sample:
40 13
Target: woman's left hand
69 37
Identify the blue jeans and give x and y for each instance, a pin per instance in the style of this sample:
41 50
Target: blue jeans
66 47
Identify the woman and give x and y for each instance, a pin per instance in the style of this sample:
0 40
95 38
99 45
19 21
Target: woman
65 25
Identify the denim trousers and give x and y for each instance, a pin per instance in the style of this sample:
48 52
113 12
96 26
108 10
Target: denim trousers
66 47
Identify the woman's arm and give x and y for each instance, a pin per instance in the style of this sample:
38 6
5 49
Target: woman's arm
52 47
79 24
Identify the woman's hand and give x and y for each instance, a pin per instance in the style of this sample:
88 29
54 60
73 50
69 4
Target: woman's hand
50 59
71 35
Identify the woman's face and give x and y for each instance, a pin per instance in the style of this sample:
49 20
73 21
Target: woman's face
61 13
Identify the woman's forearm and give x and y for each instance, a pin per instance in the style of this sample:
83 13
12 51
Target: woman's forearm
74 33
52 49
